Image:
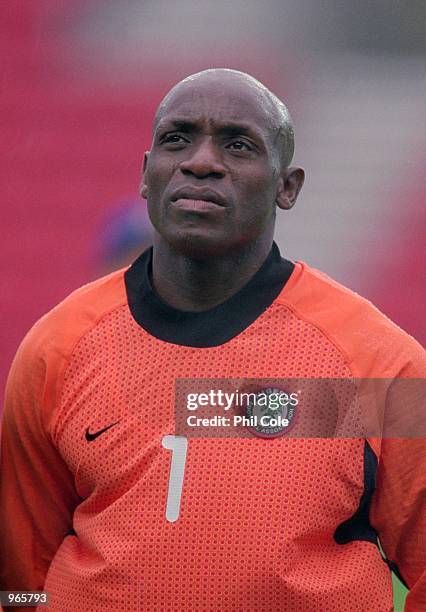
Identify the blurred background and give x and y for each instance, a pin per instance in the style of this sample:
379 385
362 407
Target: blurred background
80 82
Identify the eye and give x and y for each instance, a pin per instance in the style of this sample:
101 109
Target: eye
173 138
240 145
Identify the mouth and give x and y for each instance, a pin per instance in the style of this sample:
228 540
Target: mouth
198 199
196 205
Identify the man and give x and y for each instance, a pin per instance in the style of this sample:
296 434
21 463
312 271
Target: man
103 506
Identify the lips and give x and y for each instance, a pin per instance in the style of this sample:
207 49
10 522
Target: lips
198 195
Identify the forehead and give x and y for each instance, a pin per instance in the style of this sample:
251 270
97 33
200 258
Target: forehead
218 103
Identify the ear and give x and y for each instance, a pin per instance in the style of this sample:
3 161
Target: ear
289 186
143 189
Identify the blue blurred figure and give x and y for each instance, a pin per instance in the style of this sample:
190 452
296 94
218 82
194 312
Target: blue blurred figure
124 234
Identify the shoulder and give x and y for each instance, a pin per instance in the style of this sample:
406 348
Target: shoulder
372 344
43 354
77 313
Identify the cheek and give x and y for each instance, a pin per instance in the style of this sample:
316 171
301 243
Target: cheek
256 192
157 179
159 174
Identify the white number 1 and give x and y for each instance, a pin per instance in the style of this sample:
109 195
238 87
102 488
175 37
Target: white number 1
179 446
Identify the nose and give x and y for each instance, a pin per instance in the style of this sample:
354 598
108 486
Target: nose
203 161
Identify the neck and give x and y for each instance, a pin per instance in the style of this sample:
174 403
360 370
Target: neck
194 284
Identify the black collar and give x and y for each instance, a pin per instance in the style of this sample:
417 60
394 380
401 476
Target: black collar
210 327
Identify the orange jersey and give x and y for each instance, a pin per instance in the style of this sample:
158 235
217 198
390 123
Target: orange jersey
263 524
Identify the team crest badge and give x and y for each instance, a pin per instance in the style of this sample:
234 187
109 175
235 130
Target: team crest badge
271 412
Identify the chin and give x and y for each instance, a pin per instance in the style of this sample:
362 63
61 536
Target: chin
199 246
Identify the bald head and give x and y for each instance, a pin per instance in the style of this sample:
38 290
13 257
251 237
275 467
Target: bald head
276 113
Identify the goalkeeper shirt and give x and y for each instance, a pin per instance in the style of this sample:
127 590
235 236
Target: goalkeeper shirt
284 523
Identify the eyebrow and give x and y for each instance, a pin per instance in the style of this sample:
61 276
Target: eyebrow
229 128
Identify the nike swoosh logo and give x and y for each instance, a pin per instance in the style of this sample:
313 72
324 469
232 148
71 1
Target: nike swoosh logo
92 436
